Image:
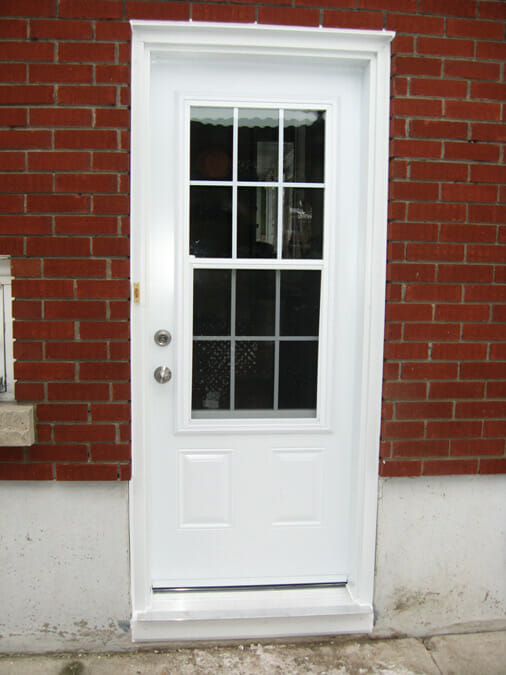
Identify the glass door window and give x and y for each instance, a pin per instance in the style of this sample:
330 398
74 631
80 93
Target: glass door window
256 233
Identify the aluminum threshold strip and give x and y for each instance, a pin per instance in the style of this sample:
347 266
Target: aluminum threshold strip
256 587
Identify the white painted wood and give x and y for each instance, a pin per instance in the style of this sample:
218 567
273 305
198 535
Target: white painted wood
347 426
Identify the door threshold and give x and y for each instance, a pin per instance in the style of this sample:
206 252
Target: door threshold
248 587
255 613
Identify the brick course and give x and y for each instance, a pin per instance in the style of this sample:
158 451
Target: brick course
64 162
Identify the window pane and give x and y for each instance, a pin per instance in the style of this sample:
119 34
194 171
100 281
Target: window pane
298 364
211 302
300 303
211 375
258 144
303 223
211 222
254 375
257 217
211 133
255 302
304 133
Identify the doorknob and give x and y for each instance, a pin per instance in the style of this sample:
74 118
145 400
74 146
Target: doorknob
162 374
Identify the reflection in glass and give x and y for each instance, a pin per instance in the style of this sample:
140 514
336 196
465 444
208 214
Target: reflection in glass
303 223
211 302
255 304
298 365
211 221
211 132
254 375
304 133
211 375
300 302
258 144
257 217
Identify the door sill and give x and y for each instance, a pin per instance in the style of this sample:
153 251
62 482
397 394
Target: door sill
220 615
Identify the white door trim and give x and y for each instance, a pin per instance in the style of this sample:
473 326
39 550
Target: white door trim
240 614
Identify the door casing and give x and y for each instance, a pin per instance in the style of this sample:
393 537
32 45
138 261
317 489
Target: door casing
256 613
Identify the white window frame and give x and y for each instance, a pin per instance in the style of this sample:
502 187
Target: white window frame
269 613
6 347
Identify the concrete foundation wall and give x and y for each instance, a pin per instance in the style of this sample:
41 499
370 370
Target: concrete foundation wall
64 573
64 566
441 555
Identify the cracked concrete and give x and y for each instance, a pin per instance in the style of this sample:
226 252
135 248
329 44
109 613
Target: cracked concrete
465 654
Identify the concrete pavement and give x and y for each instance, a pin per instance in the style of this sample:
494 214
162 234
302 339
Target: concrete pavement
464 654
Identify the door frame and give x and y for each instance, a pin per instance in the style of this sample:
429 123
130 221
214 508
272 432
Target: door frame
267 613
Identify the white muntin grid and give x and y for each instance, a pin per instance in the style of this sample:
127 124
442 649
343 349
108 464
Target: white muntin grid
277 264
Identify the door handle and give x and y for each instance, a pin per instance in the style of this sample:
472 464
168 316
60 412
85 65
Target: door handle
162 374
162 337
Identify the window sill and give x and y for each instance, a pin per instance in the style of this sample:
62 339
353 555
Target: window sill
17 427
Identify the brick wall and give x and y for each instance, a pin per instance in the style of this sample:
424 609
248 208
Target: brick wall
64 134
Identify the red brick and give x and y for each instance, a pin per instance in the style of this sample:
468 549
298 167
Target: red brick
121 391
474 151
400 468
25 225
488 132
63 411
83 52
27 267
469 193
444 47
58 203
64 246
120 269
432 292
13 72
90 9
74 310
476 331
406 312
438 88
60 117
448 467
429 371
491 50
60 73
488 90
105 117
29 391
82 472
415 23
125 471
453 429
176 11
110 412
12 161
390 5
404 390
117 74
111 246
438 170
480 409
487 214
104 330
110 452
59 161
43 330
78 351
11 245
343 19
84 432
57 453
78 391
88 138
432 448
406 350
125 432
25 139
449 7
496 389
492 10
499 313
26 471
13 28
82 182
113 31
11 454
498 352
104 371
288 16
111 204
42 289
110 161
473 110
27 309
411 272
491 466
390 370
27 351
119 350
26 51
479 371
94 225
103 289
488 173
484 253
466 272
24 182
26 94
413 231
495 428
467 233
423 410
458 351
409 190
83 95
414 65
477 446
55 29
213 12
485 293
418 149
471 70
489 30
432 129
74 268
430 251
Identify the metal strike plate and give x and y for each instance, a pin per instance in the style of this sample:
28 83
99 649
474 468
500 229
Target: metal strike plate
162 374
163 337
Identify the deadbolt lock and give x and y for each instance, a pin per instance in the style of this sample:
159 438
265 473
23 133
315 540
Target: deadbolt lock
163 337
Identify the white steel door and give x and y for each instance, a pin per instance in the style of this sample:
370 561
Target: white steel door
251 253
